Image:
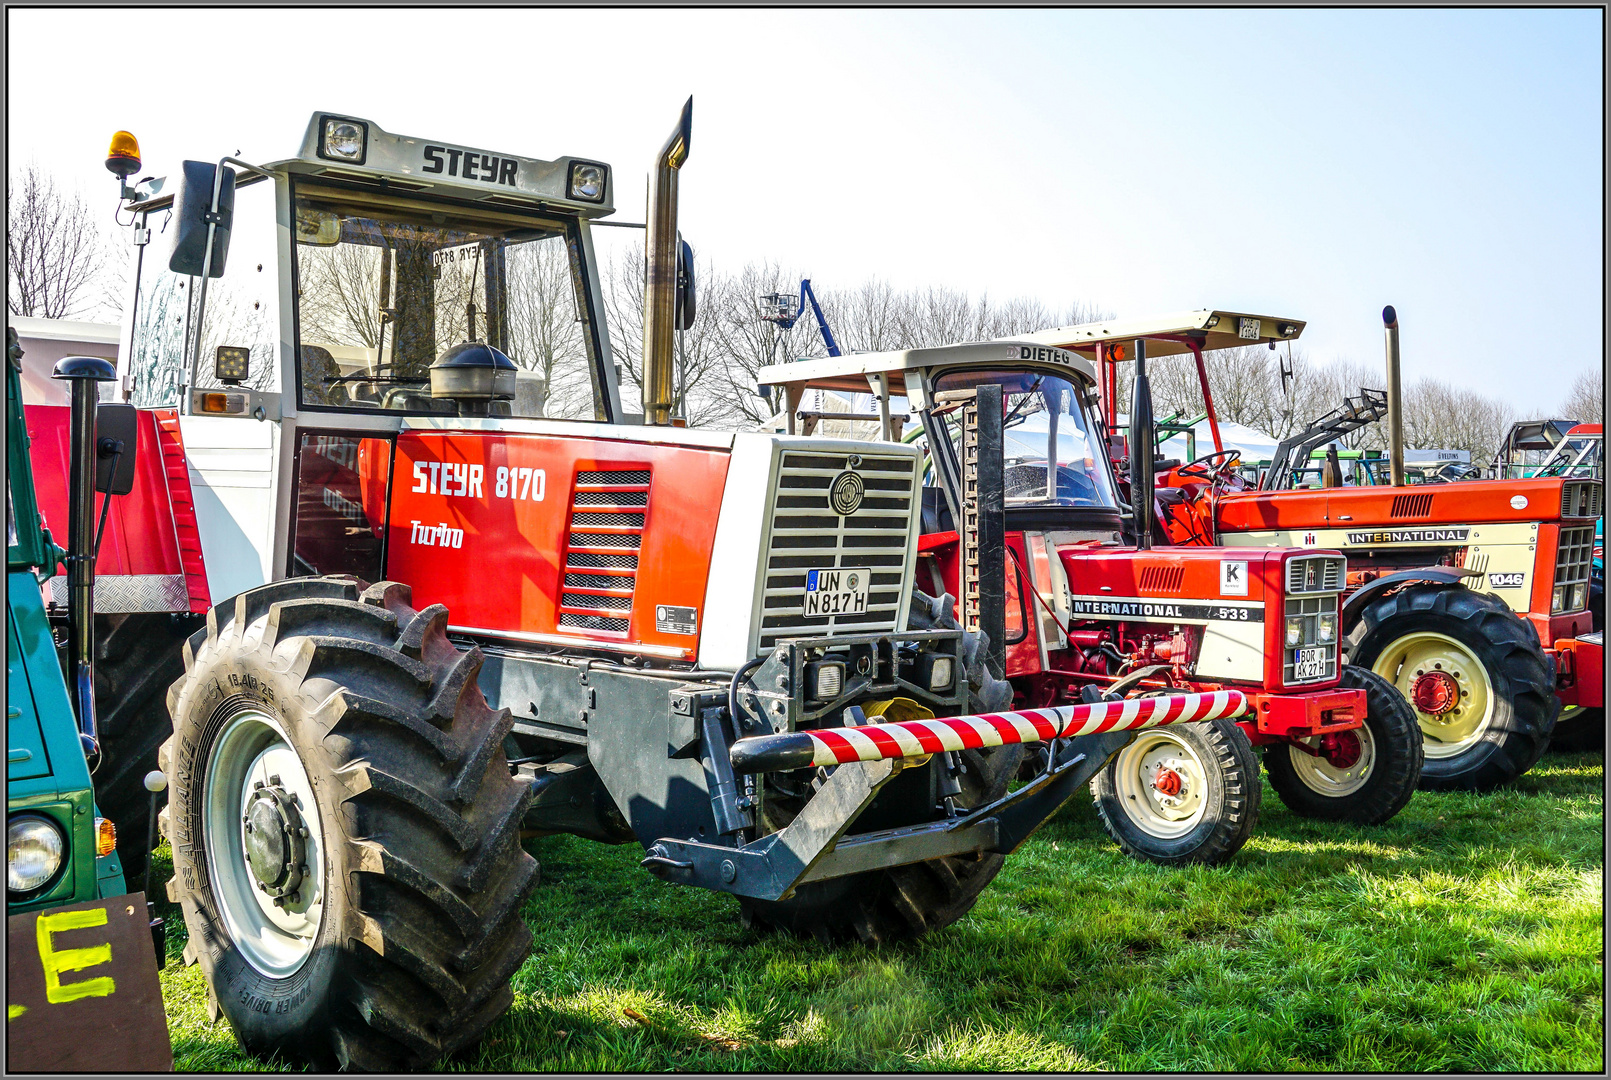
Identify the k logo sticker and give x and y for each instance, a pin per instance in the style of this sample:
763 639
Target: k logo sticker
1233 578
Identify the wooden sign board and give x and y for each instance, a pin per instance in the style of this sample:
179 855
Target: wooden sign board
82 993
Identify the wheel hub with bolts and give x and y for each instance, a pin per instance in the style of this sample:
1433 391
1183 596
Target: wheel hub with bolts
1168 782
1435 692
1341 749
276 840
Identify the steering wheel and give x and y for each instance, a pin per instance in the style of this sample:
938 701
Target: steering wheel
1210 466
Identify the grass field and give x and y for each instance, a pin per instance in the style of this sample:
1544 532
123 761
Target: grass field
1465 935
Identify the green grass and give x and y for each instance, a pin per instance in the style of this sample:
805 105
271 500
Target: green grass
1465 935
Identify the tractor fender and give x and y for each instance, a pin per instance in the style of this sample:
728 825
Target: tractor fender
1440 576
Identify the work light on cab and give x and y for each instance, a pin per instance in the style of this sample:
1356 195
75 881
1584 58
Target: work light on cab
343 140
587 181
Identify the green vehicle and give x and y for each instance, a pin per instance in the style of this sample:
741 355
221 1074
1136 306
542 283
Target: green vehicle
52 824
82 952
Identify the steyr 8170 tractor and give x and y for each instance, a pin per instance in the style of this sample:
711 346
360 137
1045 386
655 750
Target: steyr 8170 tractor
1087 615
472 599
1471 597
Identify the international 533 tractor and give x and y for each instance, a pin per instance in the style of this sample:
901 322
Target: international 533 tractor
1470 597
1087 615
462 597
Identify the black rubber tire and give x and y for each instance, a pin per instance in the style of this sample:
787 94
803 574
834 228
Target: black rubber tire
1395 736
1579 731
902 901
420 817
1507 646
1231 806
137 657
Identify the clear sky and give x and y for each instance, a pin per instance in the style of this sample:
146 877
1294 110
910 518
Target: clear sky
1314 164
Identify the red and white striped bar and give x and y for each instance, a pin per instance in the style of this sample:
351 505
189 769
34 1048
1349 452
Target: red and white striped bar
915 738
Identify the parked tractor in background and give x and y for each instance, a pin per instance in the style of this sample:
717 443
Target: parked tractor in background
389 363
1472 597
63 874
1087 614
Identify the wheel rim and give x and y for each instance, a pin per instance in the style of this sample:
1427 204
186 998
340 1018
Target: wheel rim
1445 684
1162 785
257 800
1335 781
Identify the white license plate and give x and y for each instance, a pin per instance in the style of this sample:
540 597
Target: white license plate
836 592
1309 664
1248 328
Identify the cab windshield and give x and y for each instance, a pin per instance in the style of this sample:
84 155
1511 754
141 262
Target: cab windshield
384 287
1050 455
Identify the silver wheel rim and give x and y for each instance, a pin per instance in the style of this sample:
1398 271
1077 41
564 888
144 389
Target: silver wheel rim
1324 778
1136 774
275 940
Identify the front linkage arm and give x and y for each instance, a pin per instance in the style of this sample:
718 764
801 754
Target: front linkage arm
813 847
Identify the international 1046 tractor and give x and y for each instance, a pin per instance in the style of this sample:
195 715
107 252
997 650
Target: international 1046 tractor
461 597
1471 597
1086 615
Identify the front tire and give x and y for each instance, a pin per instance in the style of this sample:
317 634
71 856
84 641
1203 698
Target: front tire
1474 671
1376 767
1181 794
345 828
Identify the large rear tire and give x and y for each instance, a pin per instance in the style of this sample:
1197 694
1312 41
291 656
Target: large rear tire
137 657
901 901
1181 794
345 827
1379 766
1475 673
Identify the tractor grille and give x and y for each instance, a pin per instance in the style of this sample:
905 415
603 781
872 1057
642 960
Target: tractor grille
1309 609
1162 579
1573 554
1318 574
1582 498
608 510
808 535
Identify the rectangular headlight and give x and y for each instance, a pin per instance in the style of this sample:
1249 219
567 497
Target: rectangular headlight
1328 626
589 181
941 671
1294 632
343 140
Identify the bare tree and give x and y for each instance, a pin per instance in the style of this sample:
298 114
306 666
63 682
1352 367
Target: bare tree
54 250
1585 401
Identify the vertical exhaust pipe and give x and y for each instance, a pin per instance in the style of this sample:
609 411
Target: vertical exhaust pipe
1395 400
660 278
1141 457
84 373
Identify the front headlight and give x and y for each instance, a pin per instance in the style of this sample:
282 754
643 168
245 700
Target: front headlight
1328 626
1579 597
1559 599
826 679
34 848
587 181
941 671
1294 632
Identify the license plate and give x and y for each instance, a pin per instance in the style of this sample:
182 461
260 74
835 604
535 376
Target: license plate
1248 328
1309 663
836 592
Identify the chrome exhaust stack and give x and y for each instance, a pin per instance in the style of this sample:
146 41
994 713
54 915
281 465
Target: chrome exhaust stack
660 273
1395 400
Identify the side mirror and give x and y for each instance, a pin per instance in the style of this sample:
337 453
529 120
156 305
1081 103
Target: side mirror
318 228
117 435
686 307
193 213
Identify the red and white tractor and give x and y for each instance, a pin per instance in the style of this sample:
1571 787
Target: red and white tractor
1471 597
1086 613
460 596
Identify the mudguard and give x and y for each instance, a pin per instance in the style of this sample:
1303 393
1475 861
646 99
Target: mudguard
1442 576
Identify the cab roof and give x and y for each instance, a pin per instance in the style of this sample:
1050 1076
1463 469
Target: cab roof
405 164
1214 328
849 373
